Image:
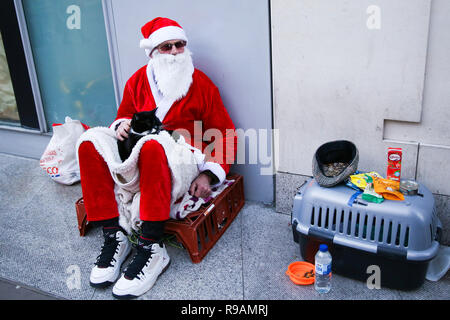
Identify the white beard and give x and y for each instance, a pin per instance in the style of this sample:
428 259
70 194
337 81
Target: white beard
173 73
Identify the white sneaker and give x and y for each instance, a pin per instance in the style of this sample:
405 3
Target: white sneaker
140 275
114 252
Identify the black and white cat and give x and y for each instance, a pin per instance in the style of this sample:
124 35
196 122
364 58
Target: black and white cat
142 124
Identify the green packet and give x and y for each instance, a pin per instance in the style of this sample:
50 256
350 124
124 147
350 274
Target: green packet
370 195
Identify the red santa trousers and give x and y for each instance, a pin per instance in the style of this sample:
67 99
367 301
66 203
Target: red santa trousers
98 186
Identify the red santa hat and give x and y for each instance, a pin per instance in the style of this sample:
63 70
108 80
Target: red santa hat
159 30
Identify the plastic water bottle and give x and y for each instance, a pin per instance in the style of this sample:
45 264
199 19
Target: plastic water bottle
322 275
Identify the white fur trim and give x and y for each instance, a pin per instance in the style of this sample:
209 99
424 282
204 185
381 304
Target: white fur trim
182 163
163 104
157 95
161 35
146 44
113 125
214 168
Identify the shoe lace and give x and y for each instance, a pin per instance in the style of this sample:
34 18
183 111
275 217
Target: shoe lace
140 260
109 249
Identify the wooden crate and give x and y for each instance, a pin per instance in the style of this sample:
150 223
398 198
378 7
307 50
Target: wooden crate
200 230
83 224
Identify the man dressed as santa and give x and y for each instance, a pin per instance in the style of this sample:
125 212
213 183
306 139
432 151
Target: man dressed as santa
186 100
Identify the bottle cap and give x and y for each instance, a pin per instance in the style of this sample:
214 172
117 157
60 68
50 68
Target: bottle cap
323 248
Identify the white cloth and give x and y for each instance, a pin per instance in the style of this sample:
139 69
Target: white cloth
183 164
191 203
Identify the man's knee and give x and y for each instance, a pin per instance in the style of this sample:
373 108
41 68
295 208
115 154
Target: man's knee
86 148
152 153
152 148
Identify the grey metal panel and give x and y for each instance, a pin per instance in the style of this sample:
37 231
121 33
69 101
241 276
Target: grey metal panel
30 65
230 41
112 46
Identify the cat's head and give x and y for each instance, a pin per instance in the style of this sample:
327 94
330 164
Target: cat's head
146 120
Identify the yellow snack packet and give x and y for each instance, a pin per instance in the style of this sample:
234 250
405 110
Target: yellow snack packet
361 180
388 189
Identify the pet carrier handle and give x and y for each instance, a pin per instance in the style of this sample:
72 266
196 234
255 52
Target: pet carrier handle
341 240
348 242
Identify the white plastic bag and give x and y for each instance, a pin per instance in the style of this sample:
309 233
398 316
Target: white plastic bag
59 159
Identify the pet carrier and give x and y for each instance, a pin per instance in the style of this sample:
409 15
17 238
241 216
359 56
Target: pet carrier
400 237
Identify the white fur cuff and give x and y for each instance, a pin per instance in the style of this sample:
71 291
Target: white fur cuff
214 168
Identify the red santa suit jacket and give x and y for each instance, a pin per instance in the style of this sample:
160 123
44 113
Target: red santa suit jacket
199 111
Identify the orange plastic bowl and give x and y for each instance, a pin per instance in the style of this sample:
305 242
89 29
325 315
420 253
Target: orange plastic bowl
297 270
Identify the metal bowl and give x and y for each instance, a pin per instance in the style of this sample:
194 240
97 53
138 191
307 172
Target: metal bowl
409 187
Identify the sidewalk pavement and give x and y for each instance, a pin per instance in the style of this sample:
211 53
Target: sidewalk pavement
42 255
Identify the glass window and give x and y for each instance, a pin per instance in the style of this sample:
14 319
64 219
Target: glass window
70 51
8 104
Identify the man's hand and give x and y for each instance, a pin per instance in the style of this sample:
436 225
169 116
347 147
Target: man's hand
122 130
201 186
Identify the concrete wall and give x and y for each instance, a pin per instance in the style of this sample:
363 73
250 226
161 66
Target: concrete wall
374 72
230 42
334 78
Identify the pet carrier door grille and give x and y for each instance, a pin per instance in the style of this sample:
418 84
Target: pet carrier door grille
361 225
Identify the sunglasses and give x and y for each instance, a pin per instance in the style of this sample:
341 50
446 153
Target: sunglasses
168 46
